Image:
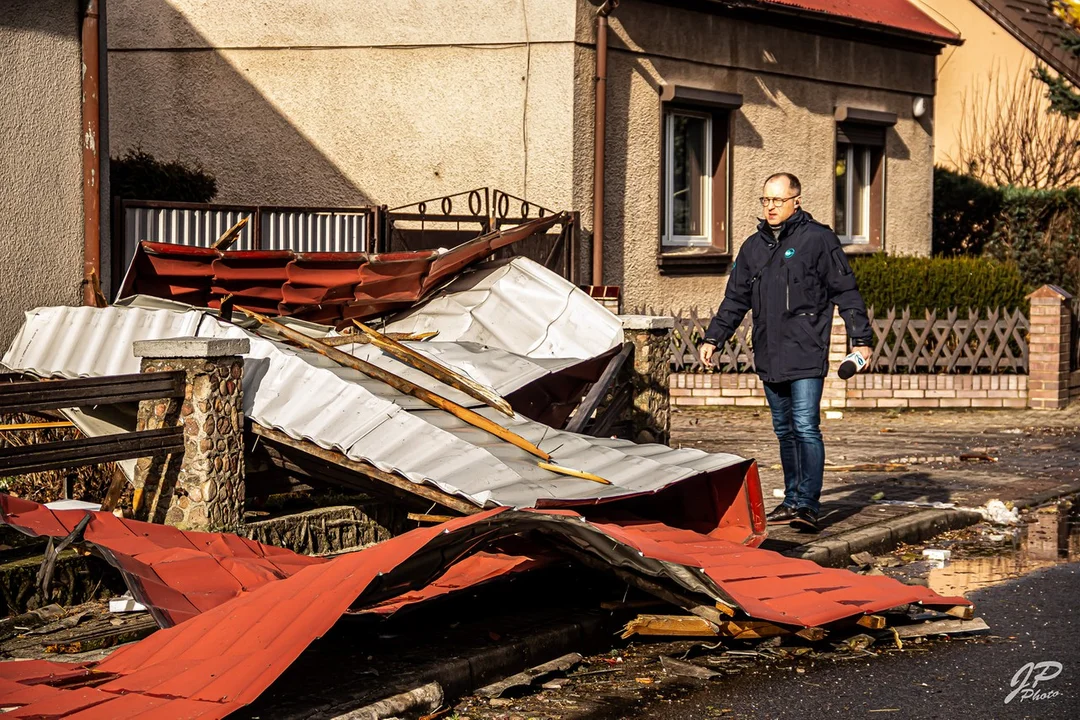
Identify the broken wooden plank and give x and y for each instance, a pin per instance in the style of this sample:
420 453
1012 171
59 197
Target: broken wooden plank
401 385
63 454
367 469
670 626
445 375
36 426
228 237
25 397
117 483
964 612
425 518
100 639
530 677
873 622
942 627
560 470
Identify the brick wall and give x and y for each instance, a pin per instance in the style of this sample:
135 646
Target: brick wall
863 391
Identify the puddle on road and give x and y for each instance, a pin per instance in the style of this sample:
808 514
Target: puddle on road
1052 539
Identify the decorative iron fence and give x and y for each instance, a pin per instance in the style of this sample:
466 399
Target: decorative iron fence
992 342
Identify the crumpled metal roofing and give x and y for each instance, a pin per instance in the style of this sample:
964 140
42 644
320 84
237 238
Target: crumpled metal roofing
331 288
176 573
227 656
519 306
901 15
309 397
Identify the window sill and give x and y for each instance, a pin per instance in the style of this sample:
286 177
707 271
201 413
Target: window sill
853 249
693 262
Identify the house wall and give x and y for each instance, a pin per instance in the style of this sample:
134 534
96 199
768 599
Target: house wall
335 102
791 83
989 53
41 234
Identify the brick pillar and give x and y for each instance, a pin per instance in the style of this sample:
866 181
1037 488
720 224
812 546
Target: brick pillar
204 488
835 393
651 411
1048 348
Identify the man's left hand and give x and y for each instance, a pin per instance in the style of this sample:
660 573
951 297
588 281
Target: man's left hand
865 352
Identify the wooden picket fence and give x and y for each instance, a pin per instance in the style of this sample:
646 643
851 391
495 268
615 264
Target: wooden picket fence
989 342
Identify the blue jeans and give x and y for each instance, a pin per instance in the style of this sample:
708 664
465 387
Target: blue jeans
796 415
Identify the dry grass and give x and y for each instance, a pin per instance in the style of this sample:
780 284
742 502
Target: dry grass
86 483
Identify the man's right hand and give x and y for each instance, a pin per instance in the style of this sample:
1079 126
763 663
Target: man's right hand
706 352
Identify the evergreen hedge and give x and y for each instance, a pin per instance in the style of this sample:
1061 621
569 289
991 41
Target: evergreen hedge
1037 231
938 283
138 175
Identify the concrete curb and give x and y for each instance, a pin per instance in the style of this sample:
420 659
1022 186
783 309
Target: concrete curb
880 537
836 550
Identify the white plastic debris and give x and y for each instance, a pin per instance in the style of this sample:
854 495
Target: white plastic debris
778 493
937 554
834 415
73 505
125 603
998 513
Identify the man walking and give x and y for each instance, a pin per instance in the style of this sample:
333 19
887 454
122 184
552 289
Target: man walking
791 273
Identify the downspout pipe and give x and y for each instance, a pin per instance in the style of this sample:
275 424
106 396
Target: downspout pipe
599 139
90 139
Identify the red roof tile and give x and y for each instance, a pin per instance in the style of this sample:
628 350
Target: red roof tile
888 14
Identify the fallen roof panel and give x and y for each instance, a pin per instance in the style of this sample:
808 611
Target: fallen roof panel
331 288
309 397
228 655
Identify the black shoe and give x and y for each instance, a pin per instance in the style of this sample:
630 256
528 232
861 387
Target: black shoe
780 515
805 521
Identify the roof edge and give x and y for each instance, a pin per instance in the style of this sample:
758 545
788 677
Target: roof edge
1041 52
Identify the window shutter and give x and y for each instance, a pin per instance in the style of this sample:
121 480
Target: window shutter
859 134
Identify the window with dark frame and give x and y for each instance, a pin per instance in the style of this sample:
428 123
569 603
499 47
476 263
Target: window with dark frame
694 183
859 217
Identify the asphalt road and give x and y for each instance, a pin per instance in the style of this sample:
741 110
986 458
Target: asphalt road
1035 619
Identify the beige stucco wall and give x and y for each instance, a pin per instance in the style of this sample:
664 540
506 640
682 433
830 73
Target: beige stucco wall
988 52
791 83
41 241
333 102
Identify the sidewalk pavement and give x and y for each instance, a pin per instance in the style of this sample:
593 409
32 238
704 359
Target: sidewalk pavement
935 456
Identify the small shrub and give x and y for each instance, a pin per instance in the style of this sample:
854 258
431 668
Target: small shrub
939 283
138 175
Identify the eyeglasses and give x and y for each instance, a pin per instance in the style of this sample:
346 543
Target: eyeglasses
775 201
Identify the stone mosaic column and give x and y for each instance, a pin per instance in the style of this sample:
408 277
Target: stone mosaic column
204 488
1048 348
651 371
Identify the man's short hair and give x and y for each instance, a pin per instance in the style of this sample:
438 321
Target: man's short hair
793 181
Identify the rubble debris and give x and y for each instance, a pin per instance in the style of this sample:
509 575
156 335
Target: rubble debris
681 668
942 627
670 626
533 676
999 513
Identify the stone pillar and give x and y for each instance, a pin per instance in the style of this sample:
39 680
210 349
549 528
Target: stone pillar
1048 348
204 488
834 394
650 413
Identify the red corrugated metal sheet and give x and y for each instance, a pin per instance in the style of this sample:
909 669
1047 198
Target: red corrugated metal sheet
226 656
893 14
177 574
331 288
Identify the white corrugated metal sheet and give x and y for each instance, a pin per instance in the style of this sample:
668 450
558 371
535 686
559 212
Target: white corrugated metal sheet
306 396
520 306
